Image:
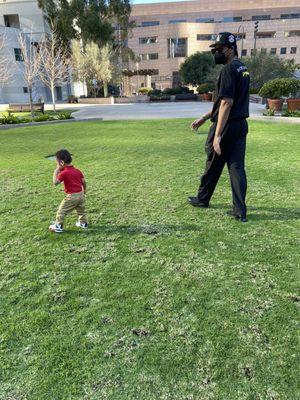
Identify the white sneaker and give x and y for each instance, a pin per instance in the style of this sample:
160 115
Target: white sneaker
54 227
80 225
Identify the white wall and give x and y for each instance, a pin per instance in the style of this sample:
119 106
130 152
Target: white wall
31 20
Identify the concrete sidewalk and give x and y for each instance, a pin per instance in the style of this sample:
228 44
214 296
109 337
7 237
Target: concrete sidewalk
153 110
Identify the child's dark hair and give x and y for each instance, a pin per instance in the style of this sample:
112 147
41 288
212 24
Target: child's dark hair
64 155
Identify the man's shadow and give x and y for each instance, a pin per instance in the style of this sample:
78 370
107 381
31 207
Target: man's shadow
268 213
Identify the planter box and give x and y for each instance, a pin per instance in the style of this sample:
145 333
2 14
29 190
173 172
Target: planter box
275 104
206 96
293 104
165 97
133 99
186 97
96 100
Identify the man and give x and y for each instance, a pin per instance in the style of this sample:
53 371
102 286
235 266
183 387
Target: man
226 141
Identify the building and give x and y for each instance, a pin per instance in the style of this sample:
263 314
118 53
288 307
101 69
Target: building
166 33
25 17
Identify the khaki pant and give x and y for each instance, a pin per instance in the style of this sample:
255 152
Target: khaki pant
74 201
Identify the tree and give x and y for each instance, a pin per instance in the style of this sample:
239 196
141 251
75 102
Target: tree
59 14
92 65
29 63
4 61
194 70
55 64
91 20
264 67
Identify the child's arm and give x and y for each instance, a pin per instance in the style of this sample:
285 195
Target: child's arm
84 185
55 174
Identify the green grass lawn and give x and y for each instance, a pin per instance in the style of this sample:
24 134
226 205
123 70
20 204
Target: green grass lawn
157 300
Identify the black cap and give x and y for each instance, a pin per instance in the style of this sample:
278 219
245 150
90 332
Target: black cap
225 39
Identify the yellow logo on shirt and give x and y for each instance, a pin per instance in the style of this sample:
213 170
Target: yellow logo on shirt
245 74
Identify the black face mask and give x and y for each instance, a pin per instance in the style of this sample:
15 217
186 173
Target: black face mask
220 58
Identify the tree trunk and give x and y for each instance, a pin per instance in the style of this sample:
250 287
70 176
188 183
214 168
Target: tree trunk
31 101
105 89
53 96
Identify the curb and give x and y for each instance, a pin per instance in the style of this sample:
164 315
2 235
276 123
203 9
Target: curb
61 121
288 120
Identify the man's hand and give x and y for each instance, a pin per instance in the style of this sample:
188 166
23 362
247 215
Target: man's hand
197 123
216 145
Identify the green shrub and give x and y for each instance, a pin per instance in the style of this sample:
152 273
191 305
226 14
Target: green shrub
65 115
9 118
280 87
42 117
172 91
269 113
291 114
206 87
253 91
155 92
144 90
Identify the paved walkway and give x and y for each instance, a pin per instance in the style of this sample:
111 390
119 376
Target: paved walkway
152 110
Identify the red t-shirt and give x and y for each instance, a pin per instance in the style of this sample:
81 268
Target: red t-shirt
72 179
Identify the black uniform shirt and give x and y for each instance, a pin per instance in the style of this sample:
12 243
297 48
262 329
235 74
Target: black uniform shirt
233 82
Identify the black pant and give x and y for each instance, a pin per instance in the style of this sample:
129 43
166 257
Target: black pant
233 147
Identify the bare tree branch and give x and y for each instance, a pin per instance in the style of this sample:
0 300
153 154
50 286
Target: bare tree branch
55 64
29 63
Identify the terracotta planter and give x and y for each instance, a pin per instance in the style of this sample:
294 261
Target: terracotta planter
293 104
207 96
275 104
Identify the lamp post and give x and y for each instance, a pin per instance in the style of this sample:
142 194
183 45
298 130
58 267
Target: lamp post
243 34
255 34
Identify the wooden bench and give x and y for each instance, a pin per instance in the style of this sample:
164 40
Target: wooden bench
26 107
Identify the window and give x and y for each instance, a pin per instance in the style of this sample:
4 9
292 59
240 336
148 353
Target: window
150 56
149 23
177 47
263 51
18 55
273 50
205 20
252 52
175 79
176 21
260 17
293 50
12 21
244 52
25 89
265 35
292 33
289 16
153 56
283 50
232 19
148 40
205 36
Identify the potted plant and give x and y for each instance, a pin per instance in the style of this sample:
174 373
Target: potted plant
72 99
293 102
205 91
274 90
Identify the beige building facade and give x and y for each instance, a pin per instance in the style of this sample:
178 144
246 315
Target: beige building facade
166 33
